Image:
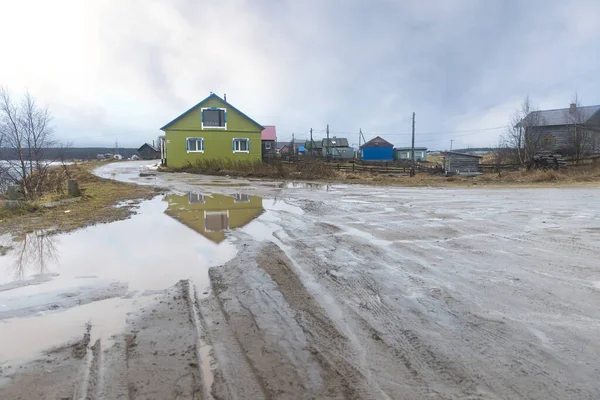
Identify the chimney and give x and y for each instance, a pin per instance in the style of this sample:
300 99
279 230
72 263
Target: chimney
572 108
225 96
152 143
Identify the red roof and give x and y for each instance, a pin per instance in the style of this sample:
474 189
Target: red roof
269 133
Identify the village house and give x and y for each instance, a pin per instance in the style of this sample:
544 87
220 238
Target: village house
405 153
148 152
574 130
212 129
337 148
377 149
269 140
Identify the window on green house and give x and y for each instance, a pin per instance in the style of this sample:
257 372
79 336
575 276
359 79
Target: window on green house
196 198
214 118
195 145
241 198
241 145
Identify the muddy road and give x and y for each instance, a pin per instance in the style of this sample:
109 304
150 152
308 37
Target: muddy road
233 289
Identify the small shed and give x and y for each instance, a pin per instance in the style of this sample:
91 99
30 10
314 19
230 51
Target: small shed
405 153
148 152
377 149
269 138
460 162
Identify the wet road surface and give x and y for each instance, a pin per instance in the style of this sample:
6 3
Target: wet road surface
270 290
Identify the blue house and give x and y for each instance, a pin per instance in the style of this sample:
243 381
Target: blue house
377 149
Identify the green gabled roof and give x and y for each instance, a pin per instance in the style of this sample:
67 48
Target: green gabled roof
212 95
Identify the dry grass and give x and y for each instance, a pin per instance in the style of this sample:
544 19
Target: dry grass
259 169
99 196
577 175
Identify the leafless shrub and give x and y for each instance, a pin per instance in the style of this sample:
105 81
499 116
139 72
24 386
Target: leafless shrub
521 141
25 136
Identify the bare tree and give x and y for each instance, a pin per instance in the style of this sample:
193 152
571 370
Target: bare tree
26 135
580 139
522 137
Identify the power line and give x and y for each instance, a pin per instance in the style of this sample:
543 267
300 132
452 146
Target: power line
424 133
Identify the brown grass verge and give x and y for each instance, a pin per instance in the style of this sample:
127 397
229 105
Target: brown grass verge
259 169
99 197
319 171
574 176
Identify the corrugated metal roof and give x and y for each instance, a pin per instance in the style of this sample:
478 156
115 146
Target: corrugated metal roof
410 148
560 116
336 142
269 133
377 141
149 145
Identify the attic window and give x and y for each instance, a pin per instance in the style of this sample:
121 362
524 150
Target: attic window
214 118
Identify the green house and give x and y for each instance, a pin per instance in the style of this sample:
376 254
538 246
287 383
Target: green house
212 129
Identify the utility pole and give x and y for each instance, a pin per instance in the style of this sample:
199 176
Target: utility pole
412 169
293 145
449 157
312 144
327 147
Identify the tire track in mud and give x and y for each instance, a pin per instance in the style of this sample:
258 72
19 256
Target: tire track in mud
443 371
343 376
429 371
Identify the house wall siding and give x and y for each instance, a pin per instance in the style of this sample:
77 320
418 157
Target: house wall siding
217 142
377 153
562 135
457 162
407 154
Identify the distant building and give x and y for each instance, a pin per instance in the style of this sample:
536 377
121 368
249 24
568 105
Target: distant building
337 148
377 149
269 139
405 153
460 162
148 152
558 130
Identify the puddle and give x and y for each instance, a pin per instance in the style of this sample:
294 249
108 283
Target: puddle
59 282
213 215
85 275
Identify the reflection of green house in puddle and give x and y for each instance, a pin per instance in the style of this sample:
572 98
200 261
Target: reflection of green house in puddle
212 215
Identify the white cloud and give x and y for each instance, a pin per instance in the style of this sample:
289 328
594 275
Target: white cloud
121 69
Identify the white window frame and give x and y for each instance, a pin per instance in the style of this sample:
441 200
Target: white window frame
196 198
195 139
239 140
268 146
241 198
213 127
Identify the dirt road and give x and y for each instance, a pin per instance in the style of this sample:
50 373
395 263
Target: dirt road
331 292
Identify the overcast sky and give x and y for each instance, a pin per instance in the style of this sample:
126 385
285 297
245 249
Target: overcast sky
122 69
